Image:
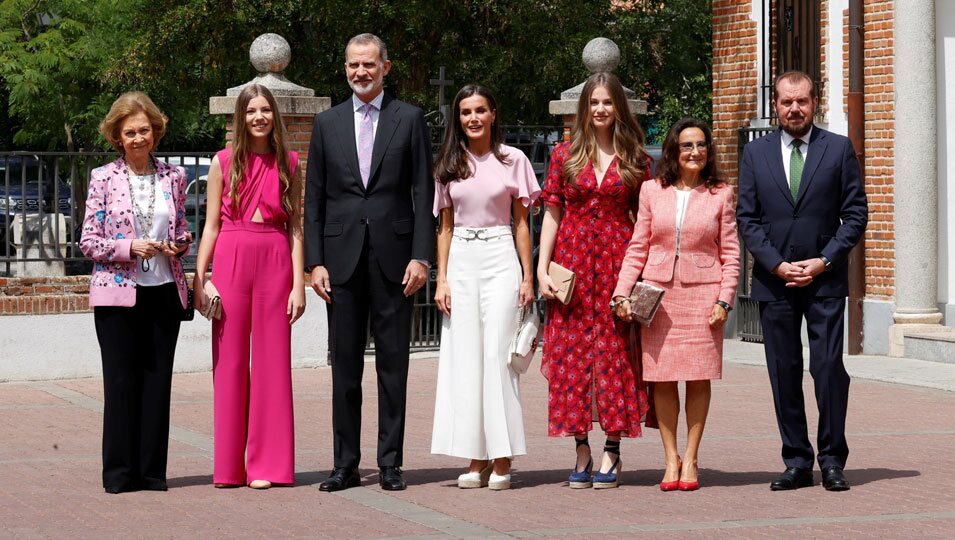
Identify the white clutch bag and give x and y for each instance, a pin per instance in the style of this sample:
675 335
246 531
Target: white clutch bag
529 330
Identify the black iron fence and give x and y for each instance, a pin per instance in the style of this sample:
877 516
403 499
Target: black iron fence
747 317
43 201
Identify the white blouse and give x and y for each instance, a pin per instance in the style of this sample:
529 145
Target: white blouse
682 198
159 271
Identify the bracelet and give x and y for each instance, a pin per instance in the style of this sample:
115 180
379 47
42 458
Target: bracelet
615 303
724 305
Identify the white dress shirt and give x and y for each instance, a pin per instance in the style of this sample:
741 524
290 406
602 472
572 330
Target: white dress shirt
787 143
375 111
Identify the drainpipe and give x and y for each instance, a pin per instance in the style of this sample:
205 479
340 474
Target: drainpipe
856 106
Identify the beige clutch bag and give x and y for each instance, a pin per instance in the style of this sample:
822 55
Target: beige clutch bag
213 308
564 279
644 302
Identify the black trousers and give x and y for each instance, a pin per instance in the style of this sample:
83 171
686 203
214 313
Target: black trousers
369 294
137 345
782 322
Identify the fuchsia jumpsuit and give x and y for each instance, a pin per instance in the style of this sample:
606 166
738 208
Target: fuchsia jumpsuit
252 270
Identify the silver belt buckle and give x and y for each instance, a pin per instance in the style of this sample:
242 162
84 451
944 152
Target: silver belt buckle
475 234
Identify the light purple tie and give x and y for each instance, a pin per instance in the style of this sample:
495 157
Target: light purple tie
366 143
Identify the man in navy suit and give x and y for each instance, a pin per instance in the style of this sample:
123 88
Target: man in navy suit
801 210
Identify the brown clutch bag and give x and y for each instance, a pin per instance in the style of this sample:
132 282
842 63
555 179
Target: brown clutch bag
644 302
564 279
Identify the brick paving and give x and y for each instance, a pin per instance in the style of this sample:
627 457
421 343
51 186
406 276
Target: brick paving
902 469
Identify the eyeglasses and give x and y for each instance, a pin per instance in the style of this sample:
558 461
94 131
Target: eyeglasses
688 147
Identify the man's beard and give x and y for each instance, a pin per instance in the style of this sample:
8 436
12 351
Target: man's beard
363 87
797 131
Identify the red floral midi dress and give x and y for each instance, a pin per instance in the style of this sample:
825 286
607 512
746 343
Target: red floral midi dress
587 356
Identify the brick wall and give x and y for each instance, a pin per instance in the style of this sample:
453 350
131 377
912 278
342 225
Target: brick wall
734 79
823 111
879 148
44 295
734 106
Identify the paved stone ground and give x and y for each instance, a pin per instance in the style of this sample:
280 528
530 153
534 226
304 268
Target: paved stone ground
902 469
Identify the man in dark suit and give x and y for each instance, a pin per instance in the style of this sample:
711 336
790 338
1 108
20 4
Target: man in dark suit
801 210
369 237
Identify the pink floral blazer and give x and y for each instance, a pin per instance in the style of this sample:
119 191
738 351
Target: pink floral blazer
108 231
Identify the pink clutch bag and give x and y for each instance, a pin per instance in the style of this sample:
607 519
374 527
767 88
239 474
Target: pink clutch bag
644 302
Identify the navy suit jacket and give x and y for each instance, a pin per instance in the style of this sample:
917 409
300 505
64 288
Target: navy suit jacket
827 218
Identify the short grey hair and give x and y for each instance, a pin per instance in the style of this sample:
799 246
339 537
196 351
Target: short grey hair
366 38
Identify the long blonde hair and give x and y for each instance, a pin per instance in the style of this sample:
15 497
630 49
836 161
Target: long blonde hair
628 137
240 147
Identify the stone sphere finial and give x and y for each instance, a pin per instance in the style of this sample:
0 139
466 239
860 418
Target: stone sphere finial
601 54
270 53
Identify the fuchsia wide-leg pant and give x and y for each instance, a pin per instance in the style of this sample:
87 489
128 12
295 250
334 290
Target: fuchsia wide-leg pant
252 269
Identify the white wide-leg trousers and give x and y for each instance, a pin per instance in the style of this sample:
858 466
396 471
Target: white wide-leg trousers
477 411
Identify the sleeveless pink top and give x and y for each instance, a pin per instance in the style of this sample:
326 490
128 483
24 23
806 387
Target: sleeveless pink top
260 188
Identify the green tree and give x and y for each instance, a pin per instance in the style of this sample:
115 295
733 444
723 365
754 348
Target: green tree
53 54
64 61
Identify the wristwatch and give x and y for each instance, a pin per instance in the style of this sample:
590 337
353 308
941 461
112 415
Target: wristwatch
724 305
826 261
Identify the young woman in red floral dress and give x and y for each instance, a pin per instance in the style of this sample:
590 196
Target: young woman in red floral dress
591 195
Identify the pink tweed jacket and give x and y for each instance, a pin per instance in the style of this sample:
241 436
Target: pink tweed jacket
709 246
108 231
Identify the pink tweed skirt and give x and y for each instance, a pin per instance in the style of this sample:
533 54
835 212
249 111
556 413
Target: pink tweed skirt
679 344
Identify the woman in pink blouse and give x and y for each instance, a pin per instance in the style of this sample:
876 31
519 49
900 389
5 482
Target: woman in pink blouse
482 187
253 231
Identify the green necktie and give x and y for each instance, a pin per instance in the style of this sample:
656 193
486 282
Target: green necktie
796 163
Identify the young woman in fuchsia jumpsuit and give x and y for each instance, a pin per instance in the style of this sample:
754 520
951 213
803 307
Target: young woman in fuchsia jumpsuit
253 231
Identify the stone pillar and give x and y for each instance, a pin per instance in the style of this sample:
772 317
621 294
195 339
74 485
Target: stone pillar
270 55
916 174
600 54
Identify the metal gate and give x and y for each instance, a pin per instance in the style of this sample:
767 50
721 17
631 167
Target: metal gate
747 318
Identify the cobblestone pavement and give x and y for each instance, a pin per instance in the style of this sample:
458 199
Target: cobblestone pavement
902 470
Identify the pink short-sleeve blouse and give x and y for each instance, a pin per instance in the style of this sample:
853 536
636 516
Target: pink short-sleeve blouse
484 200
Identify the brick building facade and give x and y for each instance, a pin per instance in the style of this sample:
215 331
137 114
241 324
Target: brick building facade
753 41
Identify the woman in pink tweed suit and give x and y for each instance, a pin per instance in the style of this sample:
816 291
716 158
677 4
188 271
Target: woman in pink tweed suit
684 241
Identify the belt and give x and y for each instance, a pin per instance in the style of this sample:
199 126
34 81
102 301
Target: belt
470 235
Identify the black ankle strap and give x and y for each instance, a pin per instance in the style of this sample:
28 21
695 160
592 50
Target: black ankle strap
582 442
612 447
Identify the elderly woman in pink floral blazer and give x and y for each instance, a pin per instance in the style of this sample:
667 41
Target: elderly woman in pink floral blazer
135 231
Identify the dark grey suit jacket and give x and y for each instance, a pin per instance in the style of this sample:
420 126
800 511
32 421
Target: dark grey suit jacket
395 208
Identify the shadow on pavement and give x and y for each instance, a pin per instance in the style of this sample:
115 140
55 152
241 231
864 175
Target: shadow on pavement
186 481
447 477
857 477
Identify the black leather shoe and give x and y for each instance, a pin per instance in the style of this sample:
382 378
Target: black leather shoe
792 478
341 478
389 478
834 480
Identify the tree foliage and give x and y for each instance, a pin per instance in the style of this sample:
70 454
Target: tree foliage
64 61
